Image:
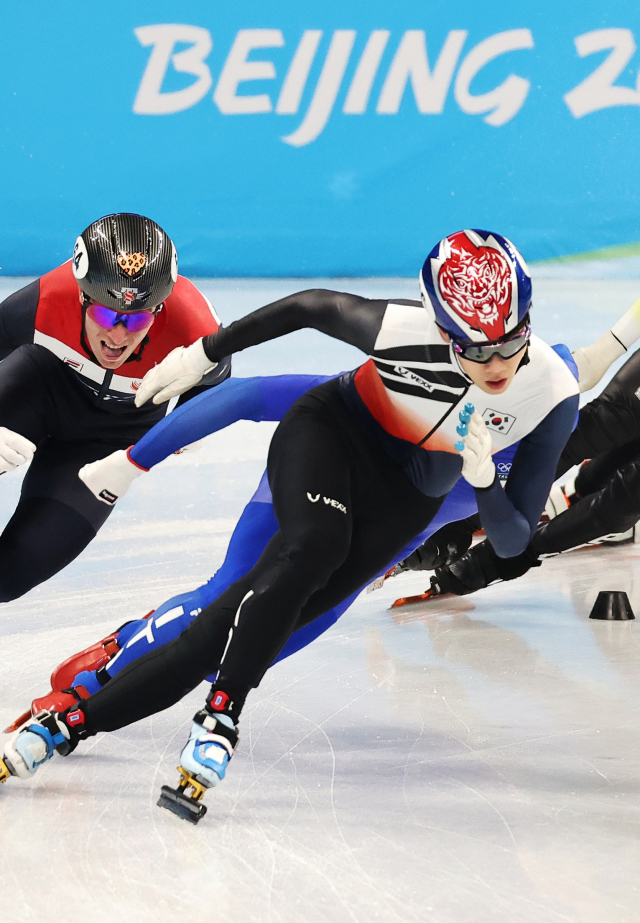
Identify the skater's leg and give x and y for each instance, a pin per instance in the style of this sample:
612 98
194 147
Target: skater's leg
615 508
609 421
313 541
594 474
255 528
41 538
56 517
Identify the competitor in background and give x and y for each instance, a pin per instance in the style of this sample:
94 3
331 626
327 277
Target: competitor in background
75 346
604 496
358 467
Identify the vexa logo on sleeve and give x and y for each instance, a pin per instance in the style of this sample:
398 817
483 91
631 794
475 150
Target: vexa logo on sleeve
327 501
374 62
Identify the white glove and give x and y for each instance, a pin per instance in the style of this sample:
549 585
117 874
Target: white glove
477 464
180 370
593 361
15 450
110 478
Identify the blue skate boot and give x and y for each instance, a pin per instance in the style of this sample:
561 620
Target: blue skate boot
203 764
34 744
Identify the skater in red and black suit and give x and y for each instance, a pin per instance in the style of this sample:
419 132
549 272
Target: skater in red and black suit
75 346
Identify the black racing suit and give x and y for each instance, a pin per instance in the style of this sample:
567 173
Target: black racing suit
54 393
349 491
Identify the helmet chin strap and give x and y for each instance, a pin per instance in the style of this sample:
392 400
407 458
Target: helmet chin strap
83 332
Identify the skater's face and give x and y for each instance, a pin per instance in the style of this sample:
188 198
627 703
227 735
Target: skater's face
492 377
112 346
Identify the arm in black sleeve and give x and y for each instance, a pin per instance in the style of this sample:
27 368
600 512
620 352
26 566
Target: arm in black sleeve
18 318
609 421
219 374
510 516
345 317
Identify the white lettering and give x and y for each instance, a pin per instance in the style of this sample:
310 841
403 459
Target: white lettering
413 378
237 69
360 89
327 89
410 62
334 503
505 100
169 616
597 91
296 79
149 98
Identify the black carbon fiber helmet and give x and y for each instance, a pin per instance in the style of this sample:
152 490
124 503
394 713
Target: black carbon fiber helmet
125 262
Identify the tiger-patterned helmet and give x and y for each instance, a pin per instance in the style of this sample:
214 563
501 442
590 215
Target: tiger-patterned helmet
125 262
478 285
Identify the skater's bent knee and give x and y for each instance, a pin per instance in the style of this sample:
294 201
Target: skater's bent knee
11 588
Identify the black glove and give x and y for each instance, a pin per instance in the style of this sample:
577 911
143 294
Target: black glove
479 567
445 546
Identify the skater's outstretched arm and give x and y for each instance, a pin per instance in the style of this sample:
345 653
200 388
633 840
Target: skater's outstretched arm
350 318
235 399
263 398
593 361
18 318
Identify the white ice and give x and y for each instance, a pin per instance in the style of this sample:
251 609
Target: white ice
460 762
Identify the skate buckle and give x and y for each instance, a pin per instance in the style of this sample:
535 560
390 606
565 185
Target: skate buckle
4 771
176 800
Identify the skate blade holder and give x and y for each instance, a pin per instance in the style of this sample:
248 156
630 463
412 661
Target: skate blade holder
4 771
187 806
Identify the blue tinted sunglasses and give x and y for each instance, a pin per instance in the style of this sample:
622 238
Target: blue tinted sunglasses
108 318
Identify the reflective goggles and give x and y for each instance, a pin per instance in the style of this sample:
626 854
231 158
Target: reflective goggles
108 318
506 349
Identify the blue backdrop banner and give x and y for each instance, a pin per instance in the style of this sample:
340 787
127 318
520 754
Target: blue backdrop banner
342 138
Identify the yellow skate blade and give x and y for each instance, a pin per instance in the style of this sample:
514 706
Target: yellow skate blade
4 771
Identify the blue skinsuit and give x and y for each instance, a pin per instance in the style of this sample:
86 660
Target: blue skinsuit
251 399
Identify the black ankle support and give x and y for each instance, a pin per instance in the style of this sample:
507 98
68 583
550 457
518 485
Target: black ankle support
227 737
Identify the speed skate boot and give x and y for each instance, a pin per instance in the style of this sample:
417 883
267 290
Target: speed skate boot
47 733
84 671
203 763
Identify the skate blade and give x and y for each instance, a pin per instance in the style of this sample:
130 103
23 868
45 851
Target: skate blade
411 600
421 598
181 805
17 723
188 807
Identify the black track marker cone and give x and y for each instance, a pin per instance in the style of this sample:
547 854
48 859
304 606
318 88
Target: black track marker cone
612 605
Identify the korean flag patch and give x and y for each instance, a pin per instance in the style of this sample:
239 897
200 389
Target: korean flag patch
498 422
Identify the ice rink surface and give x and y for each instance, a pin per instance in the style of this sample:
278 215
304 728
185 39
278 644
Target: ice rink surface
473 761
